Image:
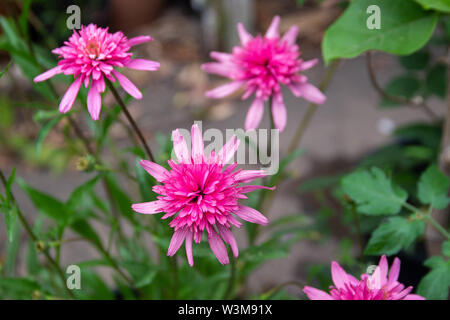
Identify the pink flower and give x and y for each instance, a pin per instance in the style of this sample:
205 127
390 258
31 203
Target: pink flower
378 286
201 193
90 54
263 64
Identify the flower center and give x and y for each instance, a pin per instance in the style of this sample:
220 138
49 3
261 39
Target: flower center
92 48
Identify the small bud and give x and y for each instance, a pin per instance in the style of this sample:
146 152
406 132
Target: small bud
86 163
40 246
36 295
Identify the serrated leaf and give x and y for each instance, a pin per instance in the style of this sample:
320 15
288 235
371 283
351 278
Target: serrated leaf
373 192
433 188
392 236
435 285
404 28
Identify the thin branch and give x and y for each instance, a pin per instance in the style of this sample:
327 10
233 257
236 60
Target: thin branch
394 98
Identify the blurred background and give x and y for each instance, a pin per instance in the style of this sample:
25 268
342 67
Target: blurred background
348 127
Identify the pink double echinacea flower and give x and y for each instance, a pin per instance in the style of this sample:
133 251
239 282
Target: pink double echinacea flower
262 64
378 286
91 54
201 193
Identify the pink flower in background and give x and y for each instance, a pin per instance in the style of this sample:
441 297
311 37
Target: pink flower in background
263 64
91 54
201 192
378 286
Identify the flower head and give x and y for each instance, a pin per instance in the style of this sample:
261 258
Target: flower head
263 64
91 54
378 286
201 193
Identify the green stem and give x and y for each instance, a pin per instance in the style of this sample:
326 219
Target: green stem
437 226
35 239
130 119
269 294
231 280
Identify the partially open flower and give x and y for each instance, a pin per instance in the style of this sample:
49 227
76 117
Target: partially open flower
201 193
377 286
92 54
263 64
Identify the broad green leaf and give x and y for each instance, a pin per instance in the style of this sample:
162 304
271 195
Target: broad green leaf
433 188
405 86
83 228
45 203
436 81
81 194
416 61
439 5
404 28
435 285
392 236
373 192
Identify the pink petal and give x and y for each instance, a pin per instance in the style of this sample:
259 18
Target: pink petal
316 294
383 265
180 147
395 271
138 40
229 149
148 207
221 56
243 34
254 114
338 275
279 112
413 297
48 74
221 69
70 95
127 85
245 176
309 92
251 215
246 189
218 248
142 64
291 35
188 245
229 238
224 90
308 64
272 31
176 241
154 169
197 144
94 101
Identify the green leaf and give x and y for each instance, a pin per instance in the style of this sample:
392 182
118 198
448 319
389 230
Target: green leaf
23 19
405 28
433 188
83 228
439 5
392 236
405 86
435 285
416 61
6 69
146 182
81 194
373 192
145 279
45 203
10 221
446 248
45 130
436 81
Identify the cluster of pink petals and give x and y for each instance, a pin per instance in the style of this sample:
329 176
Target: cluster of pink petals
201 192
263 64
378 286
92 54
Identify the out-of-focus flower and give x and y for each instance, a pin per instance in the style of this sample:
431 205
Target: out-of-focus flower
263 64
91 54
378 286
202 193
